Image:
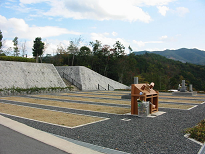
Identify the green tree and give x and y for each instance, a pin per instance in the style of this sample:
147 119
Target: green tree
73 48
38 48
84 56
16 49
23 49
130 49
1 44
84 51
96 46
119 49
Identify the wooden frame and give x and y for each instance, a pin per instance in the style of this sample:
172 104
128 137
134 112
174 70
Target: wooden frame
143 92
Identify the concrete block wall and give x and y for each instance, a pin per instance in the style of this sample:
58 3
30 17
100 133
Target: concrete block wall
28 75
88 78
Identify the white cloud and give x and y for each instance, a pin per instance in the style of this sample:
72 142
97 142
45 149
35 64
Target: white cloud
154 49
32 1
152 2
92 2
103 38
51 47
163 37
163 10
141 43
108 40
106 34
17 27
114 33
7 44
181 11
125 10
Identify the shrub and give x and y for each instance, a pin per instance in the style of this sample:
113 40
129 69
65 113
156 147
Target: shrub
20 59
14 90
197 132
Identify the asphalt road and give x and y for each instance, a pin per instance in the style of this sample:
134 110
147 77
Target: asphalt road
12 142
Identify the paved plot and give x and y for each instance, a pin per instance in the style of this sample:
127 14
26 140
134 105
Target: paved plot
162 134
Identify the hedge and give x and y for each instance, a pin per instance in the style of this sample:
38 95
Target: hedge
20 59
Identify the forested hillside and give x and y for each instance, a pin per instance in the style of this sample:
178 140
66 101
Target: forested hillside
149 67
194 56
112 62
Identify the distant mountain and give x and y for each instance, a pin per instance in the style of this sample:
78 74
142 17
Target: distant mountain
184 55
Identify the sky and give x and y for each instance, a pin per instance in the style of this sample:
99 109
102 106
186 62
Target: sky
152 25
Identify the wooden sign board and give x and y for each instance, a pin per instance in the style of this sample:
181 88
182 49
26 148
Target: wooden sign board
144 92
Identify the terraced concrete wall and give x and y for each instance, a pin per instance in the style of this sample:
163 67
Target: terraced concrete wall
28 75
88 78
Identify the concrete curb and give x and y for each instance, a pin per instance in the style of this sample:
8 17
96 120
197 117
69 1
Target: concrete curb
46 137
202 150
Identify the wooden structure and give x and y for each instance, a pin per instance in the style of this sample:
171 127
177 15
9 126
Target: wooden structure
144 92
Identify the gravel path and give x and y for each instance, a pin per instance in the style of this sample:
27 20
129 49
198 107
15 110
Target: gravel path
160 135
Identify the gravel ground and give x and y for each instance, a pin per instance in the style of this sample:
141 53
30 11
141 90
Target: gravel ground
160 135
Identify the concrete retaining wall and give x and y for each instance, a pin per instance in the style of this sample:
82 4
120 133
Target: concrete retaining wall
28 75
88 78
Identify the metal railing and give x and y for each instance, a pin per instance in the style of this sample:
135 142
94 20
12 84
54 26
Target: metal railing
101 87
110 87
71 80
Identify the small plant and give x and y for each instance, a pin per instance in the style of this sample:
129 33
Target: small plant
31 90
138 100
197 132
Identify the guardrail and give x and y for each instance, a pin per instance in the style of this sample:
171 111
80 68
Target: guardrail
101 87
110 87
71 80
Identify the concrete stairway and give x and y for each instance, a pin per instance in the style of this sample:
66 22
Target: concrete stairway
68 84
88 78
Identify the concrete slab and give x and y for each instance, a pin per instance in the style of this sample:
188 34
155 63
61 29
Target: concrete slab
153 115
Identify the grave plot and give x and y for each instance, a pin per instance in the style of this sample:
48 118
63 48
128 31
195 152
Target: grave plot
175 106
170 103
81 101
115 132
181 97
181 101
89 95
48 116
165 94
112 93
87 99
87 107
119 93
